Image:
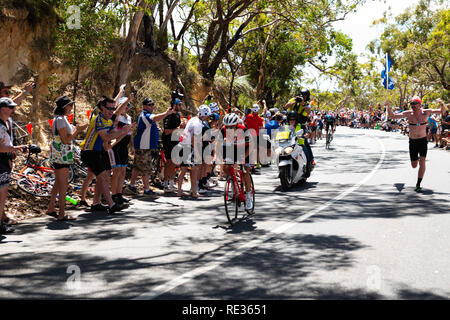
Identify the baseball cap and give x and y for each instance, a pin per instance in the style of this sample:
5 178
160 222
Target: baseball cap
148 102
255 108
214 107
204 111
6 102
415 99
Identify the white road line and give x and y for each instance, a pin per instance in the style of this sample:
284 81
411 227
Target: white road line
188 276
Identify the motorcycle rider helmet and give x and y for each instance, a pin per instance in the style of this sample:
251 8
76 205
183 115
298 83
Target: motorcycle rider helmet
306 95
231 119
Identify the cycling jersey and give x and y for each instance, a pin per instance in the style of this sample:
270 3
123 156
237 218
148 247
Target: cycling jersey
93 141
239 139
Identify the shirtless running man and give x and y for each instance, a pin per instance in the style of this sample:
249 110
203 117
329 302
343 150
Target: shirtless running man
418 145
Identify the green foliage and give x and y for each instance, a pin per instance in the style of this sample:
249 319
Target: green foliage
54 86
150 86
419 43
89 45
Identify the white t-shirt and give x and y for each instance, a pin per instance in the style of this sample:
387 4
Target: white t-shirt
193 127
60 122
6 135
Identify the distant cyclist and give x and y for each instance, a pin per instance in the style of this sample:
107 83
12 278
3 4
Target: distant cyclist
330 122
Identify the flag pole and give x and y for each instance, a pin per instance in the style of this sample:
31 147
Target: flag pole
387 72
387 84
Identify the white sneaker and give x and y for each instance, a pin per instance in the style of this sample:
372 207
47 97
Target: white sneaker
213 182
248 201
202 191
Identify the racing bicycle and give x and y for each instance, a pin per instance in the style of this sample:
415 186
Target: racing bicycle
234 194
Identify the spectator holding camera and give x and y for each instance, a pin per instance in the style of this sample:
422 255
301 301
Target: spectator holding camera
6 155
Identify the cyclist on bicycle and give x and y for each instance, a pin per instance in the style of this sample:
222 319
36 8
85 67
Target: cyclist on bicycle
234 135
330 121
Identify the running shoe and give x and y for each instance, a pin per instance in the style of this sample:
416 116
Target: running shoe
149 192
83 203
99 207
115 208
5 229
418 189
132 188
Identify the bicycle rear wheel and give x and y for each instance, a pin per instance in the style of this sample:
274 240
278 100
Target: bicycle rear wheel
37 187
231 201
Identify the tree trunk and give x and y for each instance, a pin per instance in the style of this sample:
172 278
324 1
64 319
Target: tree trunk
129 49
149 33
260 86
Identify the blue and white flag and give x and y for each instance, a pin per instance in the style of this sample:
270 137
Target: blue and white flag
387 82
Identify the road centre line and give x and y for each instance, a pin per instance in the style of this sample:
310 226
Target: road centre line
188 276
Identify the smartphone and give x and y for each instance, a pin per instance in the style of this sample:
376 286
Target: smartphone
34 85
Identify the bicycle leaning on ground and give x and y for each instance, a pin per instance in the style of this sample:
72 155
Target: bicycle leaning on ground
234 194
35 179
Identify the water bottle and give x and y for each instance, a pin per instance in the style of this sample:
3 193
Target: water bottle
69 199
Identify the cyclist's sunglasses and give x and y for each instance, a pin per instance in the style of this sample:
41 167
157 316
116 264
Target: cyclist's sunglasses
10 107
7 92
414 103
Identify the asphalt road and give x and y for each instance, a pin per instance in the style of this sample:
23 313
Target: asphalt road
355 230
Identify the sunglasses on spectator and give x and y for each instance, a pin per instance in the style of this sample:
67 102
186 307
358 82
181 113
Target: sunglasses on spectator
110 108
414 103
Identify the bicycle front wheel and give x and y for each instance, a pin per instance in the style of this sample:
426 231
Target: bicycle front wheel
231 201
37 187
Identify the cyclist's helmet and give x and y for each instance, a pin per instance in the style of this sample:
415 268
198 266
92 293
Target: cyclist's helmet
306 95
292 116
230 119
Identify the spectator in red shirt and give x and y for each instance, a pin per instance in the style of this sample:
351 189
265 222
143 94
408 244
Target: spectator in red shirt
255 122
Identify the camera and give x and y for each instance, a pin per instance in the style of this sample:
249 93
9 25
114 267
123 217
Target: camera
177 95
298 99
